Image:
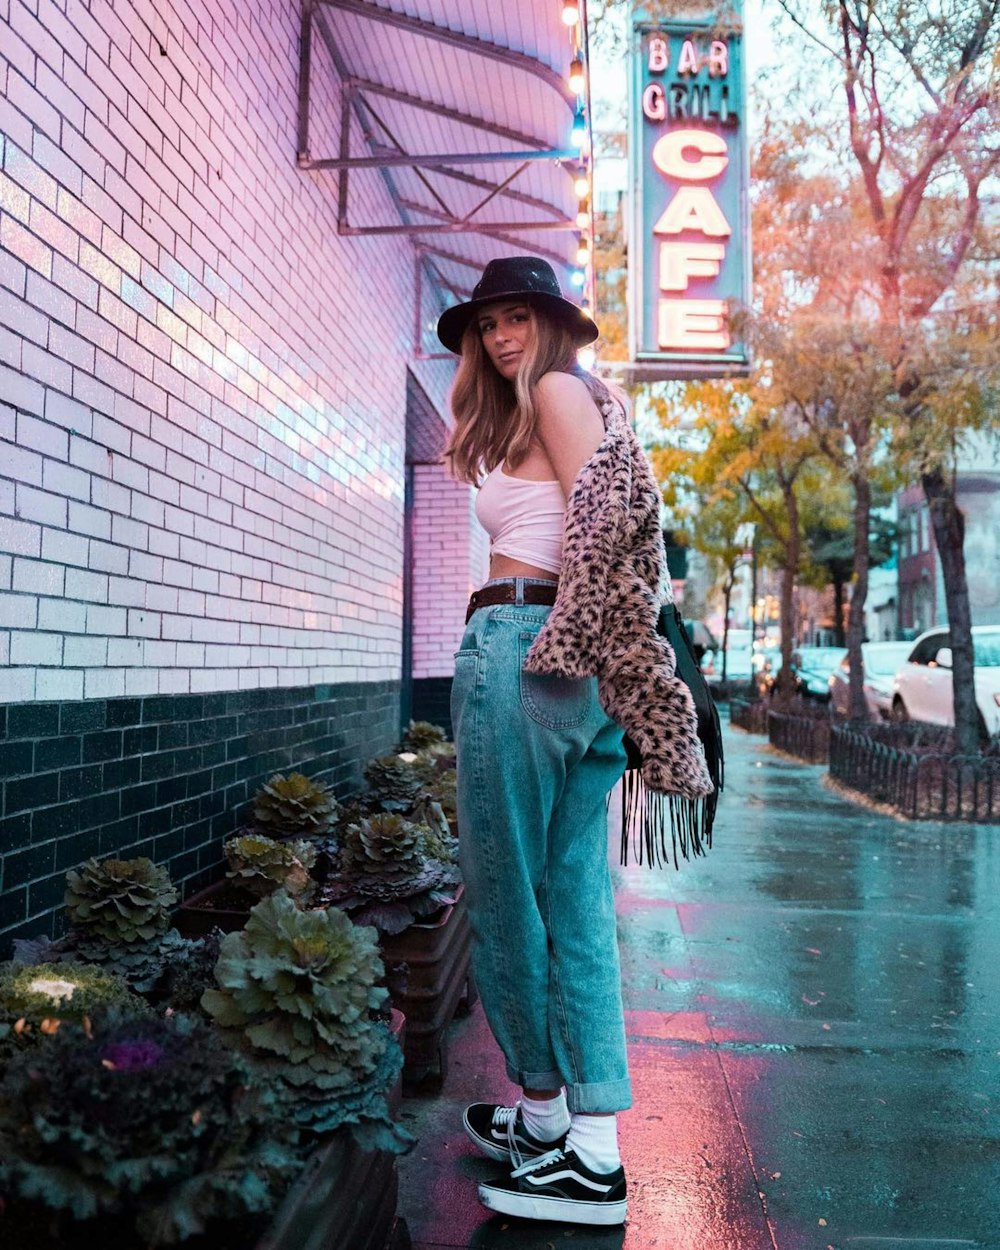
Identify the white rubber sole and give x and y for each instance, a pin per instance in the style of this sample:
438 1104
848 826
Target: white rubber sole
499 1153
562 1210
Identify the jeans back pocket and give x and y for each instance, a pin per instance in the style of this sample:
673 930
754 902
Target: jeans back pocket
553 701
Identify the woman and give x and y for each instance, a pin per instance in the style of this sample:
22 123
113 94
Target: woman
537 751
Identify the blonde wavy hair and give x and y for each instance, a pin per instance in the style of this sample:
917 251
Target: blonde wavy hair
495 419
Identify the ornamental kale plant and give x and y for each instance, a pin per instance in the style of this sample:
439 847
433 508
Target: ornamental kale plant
260 865
296 992
119 902
149 1117
36 1001
394 782
392 871
294 807
119 915
420 734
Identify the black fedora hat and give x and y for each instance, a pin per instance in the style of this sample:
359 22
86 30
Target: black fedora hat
526 277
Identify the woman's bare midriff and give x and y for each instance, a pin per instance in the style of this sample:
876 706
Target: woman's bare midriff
507 566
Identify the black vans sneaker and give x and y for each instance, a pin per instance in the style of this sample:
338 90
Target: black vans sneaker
557 1186
500 1133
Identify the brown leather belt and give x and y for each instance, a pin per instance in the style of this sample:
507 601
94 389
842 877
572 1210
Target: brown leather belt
507 593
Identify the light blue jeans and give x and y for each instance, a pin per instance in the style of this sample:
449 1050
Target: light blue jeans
537 757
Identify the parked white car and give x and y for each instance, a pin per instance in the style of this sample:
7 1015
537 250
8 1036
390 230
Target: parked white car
880 662
922 688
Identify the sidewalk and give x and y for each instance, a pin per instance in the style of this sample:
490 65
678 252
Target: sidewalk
814 1039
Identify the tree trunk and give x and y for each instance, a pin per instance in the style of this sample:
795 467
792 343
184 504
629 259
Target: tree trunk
786 685
857 705
838 608
727 594
949 535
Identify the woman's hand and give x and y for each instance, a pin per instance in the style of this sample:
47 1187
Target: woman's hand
570 426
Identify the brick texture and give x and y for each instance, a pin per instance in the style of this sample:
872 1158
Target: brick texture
202 386
451 553
163 776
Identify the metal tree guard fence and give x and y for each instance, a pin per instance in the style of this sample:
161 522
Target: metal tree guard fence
807 737
748 714
916 774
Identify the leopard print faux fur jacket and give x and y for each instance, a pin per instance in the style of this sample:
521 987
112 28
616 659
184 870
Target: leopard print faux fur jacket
603 622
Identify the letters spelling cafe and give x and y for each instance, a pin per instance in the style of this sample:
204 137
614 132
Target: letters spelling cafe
690 184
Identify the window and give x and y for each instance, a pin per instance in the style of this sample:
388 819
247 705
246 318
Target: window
927 650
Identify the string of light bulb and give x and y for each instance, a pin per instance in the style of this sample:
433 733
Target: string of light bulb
581 276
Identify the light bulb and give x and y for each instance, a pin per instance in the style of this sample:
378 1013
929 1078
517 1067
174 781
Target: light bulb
587 357
578 135
576 77
581 185
583 216
583 253
571 12
577 277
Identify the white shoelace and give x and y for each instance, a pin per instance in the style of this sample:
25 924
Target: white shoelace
541 1161
508 1116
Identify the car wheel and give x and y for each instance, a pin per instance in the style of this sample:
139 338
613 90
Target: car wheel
899 713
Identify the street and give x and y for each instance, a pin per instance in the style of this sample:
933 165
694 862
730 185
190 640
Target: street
813 1034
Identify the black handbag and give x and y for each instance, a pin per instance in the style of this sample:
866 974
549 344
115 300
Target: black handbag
646 815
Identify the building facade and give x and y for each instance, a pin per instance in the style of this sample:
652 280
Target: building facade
228 546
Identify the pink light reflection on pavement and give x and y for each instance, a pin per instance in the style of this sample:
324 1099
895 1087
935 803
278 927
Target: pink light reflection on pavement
691 1180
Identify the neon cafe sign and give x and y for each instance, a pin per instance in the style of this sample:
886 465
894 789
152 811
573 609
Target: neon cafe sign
689 249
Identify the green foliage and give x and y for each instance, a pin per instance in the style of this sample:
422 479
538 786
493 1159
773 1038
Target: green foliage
119 902
35 1001
439 840
394 782
190 970
297 992
421 734
260 865
395 870
145 1116
119 913
294 807
295 988
384 842
442 790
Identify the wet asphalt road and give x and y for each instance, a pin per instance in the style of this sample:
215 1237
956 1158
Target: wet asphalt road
814 1041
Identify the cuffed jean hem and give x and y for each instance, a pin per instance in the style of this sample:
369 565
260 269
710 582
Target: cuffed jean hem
599 1096
535 1080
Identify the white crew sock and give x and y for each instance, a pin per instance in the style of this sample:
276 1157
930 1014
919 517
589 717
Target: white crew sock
545 1118
594 1138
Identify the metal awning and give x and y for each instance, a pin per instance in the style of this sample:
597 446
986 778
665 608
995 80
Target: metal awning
464 111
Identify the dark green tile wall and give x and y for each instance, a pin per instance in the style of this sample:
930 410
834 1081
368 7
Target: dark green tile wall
431 700
166 776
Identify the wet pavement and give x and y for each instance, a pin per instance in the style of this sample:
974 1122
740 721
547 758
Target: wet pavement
814 1041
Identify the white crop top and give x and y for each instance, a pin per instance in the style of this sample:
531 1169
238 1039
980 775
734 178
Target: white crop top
524 520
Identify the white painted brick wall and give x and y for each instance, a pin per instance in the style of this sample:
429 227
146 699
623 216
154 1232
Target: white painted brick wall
201 419
450 561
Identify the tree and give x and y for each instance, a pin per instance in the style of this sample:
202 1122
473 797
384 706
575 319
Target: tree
758 449
715 517
920 101
831 549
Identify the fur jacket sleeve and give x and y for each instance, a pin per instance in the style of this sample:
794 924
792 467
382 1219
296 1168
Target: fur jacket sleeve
603 623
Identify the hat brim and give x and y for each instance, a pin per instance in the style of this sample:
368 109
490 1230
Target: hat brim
452 323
